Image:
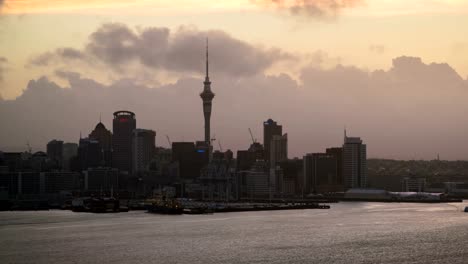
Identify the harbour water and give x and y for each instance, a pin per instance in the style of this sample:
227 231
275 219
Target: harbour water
350 232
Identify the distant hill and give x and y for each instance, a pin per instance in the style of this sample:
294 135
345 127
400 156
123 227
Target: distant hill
387 174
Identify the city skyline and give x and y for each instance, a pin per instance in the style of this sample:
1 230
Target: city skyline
390 97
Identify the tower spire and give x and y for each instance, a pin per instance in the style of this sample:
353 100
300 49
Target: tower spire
207 78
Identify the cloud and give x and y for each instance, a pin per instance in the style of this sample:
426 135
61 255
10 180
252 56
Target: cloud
61 54
413 110
310 8
3 69
181 51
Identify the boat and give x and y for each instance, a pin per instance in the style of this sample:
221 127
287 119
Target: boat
96 205
164 206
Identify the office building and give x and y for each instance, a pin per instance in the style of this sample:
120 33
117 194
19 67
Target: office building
320 173
104 136
123 125
143 145
270 129
69 151
55 152
354 163
89 154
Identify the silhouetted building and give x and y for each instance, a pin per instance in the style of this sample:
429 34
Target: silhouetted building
320 173
104 136
207 96
190 158
144 141
257 181
101 180
278 148
123 125
55 152
246 158
292 177
69 151
354 163
89 153
413 184
270 129
338 154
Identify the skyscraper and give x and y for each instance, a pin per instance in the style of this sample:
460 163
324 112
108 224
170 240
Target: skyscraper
104 136
143 149
354 162
270 129
207 96
55 151
278 149
123 125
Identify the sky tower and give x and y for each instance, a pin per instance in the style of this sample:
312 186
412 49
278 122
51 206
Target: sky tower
207 96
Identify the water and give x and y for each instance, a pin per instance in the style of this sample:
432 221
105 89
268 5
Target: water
347 233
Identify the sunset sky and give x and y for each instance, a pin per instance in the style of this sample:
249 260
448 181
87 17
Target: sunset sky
393 71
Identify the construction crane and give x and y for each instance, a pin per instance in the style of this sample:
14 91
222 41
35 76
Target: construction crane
251 135
213 139
220 147
29 147
169 141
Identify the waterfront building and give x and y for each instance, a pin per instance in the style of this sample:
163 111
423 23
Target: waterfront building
143 145
354 162
69 151
101 180
270 129
413 184
123 124
89 154
320 172
55 152
104 136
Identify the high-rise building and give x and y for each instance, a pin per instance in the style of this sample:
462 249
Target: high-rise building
354 162
55 151
207 96
123 125
104 136
278 153
143 145
270 129
320 173
89 154
338 154
278 149
69 151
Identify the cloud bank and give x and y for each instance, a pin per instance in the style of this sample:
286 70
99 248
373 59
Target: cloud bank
413 110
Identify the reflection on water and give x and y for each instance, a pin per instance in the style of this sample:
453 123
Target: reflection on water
347 233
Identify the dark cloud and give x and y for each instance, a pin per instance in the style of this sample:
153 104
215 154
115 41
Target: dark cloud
412 110
311 8
61 54
182 50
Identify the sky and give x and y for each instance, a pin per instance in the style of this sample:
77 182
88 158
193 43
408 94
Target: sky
393 72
